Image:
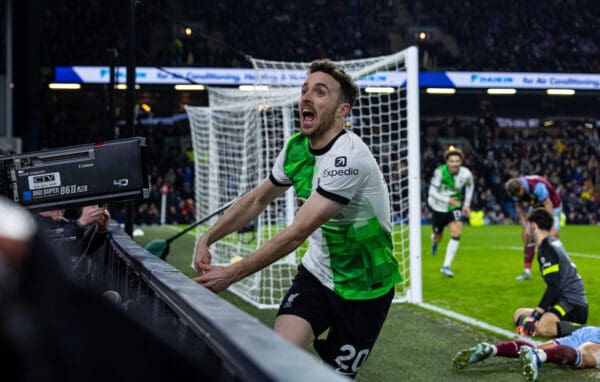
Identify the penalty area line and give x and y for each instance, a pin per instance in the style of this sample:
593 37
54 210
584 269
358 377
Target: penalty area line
471 321
571 254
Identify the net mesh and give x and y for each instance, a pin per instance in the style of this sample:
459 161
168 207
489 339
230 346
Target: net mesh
238 136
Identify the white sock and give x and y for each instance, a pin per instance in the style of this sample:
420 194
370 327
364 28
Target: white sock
451 251
542 354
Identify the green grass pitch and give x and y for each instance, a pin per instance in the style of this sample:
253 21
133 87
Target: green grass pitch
416 344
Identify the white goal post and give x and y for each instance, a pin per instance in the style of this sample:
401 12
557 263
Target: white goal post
238 136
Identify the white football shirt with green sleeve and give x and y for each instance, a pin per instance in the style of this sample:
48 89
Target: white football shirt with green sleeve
352 252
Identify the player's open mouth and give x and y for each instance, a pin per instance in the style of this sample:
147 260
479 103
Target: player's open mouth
307 116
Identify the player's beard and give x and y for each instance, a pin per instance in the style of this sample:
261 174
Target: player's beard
325 123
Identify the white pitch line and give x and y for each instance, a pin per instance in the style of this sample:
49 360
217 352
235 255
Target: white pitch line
571 254
471 321
588 255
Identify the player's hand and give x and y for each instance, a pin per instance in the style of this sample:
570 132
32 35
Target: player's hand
201 257
526 237
453 202
466 211
528 327
214 277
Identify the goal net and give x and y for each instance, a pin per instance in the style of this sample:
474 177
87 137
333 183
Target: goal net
238 136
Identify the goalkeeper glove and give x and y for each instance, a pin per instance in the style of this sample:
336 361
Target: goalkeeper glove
530 322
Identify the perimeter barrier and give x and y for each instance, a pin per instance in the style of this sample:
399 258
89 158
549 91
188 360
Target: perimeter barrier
229 344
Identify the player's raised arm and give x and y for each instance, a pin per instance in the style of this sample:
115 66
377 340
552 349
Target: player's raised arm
316 211
237 216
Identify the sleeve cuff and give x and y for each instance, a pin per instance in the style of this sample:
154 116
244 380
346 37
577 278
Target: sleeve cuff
276 182
332 196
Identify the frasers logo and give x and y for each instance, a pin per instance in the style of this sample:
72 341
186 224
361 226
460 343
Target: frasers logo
341 172
491 79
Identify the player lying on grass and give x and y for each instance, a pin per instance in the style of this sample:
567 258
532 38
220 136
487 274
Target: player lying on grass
580 349
563 308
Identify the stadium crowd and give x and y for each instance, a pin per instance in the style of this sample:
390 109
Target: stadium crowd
528 36
565 155
171 176
219 36
548 36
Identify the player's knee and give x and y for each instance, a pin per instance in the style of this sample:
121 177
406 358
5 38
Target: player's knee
520 315
590 355
545 330
547 326
455 228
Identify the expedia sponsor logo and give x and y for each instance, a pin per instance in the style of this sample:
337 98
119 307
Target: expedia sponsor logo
339 172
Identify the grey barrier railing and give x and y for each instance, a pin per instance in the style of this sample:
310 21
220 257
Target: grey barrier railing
228 343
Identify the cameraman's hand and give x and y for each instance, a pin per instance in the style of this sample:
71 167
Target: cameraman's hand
103 220
55 215
90 215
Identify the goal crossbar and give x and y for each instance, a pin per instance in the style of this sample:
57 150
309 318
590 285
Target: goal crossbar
237 137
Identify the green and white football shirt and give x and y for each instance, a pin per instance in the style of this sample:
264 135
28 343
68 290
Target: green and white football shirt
351 253
444 186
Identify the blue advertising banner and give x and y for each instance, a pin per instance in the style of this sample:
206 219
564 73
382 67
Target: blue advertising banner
275 77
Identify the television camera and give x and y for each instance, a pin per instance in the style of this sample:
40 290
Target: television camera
96 173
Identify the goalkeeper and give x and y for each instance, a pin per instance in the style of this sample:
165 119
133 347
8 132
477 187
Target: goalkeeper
580 349
346 281
563 308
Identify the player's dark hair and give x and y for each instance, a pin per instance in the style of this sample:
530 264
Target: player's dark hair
513 186
542 218
349 88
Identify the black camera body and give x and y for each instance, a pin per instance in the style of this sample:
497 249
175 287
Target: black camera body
80 175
